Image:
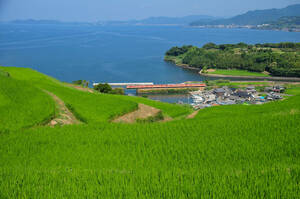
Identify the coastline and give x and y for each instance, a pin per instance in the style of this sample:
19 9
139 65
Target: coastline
185 66
246 27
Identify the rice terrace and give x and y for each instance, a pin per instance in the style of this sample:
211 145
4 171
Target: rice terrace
155 99
224 152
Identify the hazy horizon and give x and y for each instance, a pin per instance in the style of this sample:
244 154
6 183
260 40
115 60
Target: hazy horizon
94 10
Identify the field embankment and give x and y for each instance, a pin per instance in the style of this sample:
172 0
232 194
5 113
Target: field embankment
64 115
142 113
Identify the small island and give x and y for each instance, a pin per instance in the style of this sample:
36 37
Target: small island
276 61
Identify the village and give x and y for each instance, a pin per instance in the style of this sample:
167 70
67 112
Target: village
207 95
229 96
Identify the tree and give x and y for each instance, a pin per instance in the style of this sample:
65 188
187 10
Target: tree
222 47
103 88
204 69
210 46
77 82
83 83
284 61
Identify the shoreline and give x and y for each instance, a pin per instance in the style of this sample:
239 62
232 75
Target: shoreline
185 66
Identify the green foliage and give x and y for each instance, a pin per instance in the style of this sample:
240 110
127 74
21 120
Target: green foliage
280 45
280 59
81 83
176 51
117 91
210 46
3 73
77 82
103 88
151 119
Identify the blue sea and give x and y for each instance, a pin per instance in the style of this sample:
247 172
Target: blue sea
114 53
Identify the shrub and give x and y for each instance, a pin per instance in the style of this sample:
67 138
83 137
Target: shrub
152 119
81 82
117 91
4 73
103 88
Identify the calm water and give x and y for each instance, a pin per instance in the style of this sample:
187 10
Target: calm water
114 53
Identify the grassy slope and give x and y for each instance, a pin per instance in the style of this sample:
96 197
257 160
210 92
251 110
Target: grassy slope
230 151
22 105
92 107
238 73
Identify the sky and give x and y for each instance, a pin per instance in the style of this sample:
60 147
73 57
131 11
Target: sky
103 10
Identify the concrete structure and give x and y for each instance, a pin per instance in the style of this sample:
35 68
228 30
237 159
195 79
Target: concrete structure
127 84
166 86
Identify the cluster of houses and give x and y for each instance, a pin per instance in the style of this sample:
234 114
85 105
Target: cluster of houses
229 96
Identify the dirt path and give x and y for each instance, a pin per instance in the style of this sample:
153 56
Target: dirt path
192 115
65 116
143 112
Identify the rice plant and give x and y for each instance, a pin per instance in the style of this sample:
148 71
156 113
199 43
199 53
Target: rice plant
224 152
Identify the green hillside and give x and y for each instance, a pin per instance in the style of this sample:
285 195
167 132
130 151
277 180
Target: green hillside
22 105
276 59
224 152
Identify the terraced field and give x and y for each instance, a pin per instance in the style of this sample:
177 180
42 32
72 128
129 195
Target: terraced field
223 152
22 105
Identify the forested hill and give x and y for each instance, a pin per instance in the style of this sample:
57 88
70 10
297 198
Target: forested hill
282 59
256 17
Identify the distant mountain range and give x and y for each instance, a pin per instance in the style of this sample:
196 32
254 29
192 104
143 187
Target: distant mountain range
149 21
33 21
163 20
273 19
254 18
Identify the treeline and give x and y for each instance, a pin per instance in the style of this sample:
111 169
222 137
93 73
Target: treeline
280 59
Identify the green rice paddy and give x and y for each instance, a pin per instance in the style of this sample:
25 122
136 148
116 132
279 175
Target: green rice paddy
224 152
235 72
